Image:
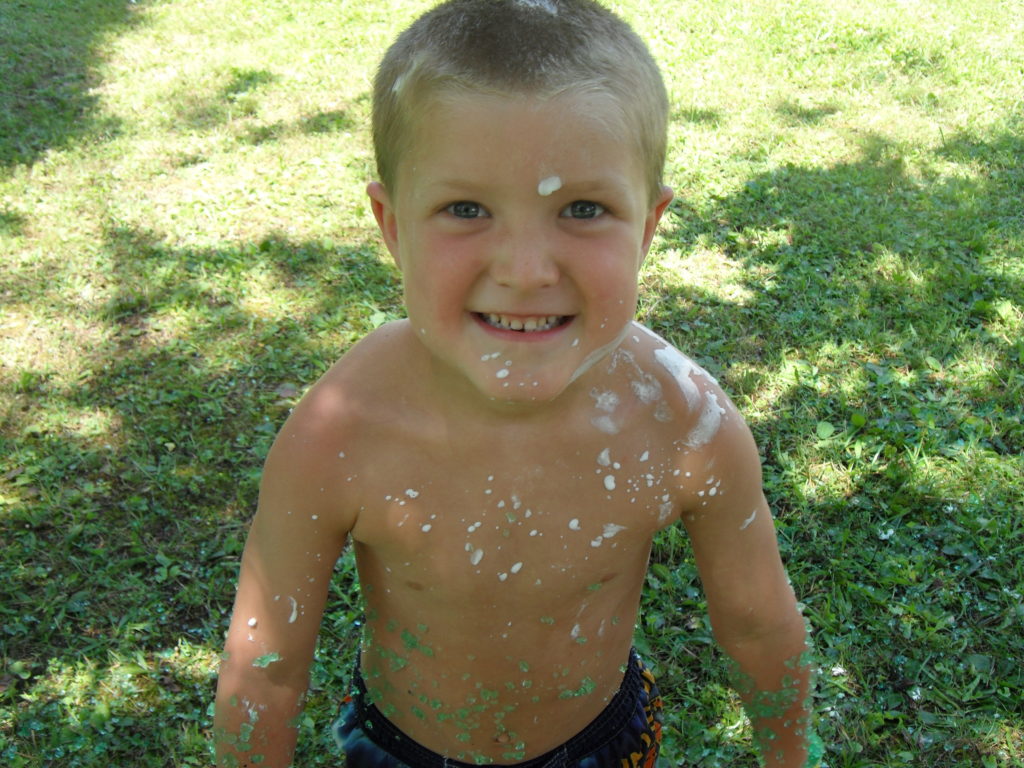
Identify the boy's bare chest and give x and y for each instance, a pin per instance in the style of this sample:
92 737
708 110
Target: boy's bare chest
479 518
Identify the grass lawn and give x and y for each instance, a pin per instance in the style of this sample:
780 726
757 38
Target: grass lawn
185 246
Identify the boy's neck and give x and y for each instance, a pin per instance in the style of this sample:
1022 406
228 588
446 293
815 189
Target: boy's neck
454 397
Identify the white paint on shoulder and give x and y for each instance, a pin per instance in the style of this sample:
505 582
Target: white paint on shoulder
681 368
708 423
605 424
611 530
604 401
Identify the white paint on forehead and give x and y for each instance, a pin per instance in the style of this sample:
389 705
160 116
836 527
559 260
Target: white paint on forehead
549 185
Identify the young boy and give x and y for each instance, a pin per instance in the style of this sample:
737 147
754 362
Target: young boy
502 458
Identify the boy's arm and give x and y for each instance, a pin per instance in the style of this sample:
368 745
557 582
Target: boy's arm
296 537
752 607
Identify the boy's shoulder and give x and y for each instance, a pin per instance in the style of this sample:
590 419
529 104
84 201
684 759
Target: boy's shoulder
352 418
660 373
364 382
688 405
364 389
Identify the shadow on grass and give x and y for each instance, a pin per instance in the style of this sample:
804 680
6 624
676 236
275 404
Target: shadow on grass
895 287
860 256
48 67
127 536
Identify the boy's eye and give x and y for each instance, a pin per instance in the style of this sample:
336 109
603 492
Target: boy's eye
465 209
583 209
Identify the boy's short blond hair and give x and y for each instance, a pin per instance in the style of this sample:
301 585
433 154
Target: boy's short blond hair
543 48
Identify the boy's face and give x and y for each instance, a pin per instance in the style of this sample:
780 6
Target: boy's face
519 225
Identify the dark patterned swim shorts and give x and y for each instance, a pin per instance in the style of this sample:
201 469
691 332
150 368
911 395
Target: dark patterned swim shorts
626 734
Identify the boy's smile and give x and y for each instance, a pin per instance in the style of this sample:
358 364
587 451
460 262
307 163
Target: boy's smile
519 225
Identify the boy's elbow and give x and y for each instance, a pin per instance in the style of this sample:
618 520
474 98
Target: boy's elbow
272 675
750 625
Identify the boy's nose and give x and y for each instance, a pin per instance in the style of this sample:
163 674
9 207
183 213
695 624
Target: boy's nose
525 261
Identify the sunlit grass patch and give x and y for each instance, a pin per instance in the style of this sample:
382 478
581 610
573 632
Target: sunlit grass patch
186 246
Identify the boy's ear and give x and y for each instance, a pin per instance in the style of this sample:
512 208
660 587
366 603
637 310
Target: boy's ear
384 213
654 216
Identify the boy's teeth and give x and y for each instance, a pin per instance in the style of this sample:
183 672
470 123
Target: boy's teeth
540 323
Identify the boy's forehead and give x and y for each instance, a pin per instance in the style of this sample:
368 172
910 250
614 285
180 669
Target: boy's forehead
553 121
589 108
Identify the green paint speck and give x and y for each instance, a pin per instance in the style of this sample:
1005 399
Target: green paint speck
587 687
